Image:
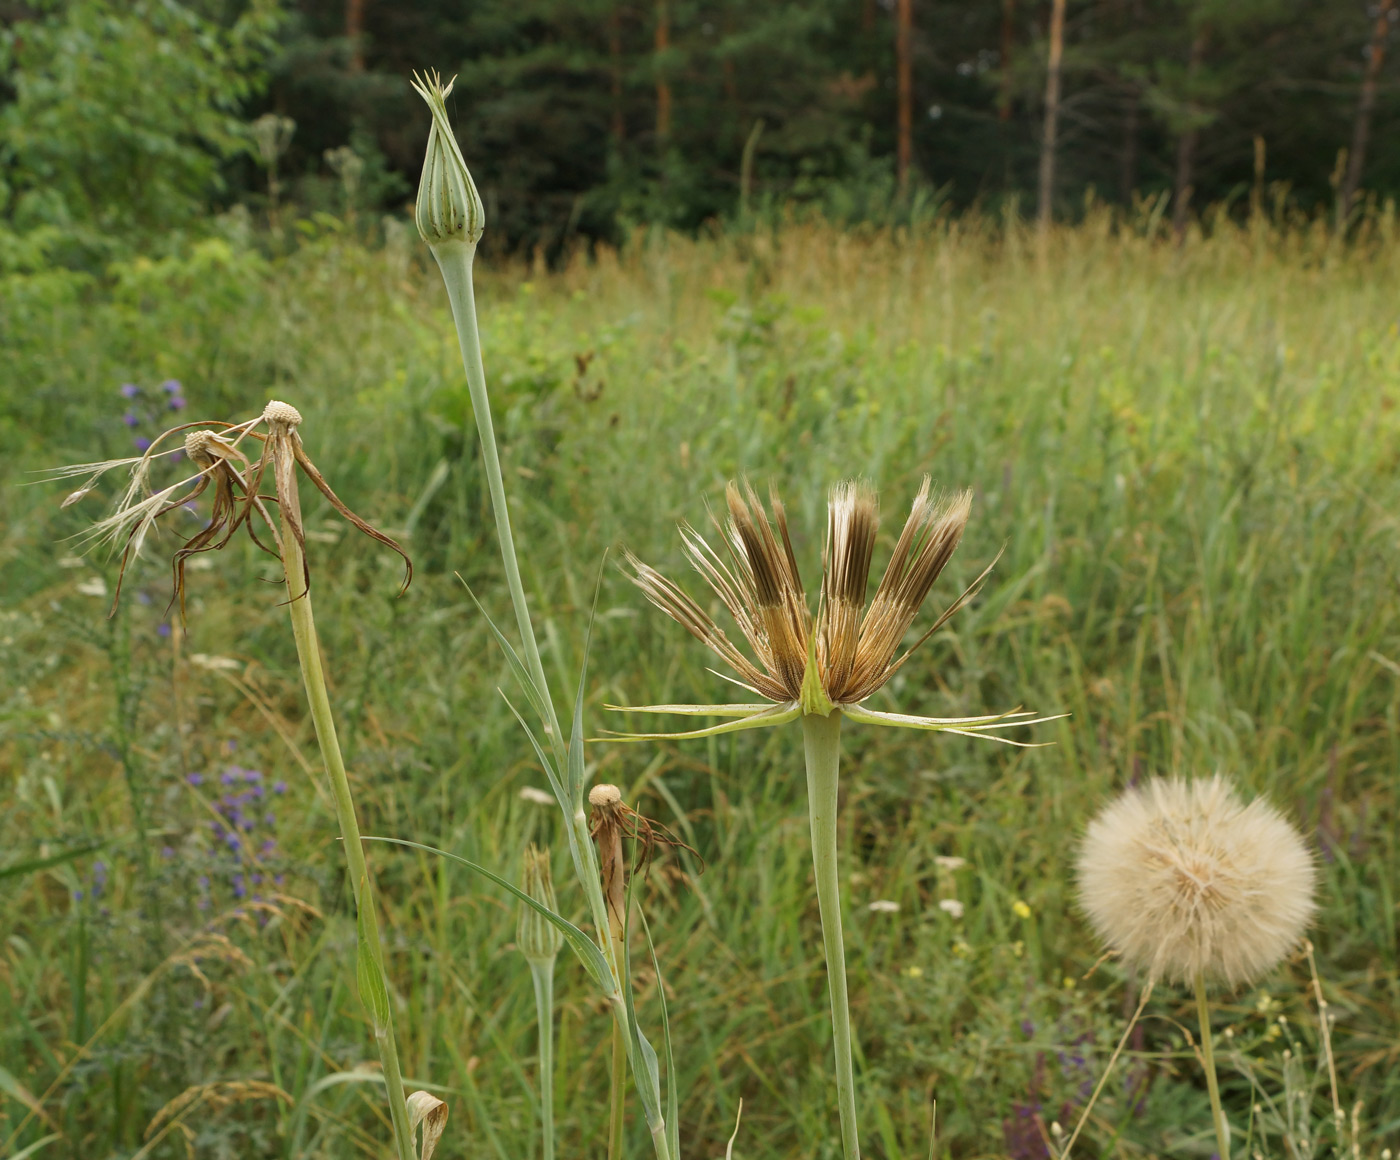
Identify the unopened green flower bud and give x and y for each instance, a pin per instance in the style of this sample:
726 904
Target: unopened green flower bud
449 207
538 938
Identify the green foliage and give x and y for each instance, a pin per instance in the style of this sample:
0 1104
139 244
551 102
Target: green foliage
122 115
1189 453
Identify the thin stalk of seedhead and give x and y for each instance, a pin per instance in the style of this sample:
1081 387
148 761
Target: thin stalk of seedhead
821 737
543 975
1222 1129
309 654
1108 1070
455 260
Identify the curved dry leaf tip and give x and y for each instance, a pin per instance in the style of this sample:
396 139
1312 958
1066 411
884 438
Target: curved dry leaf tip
426 1109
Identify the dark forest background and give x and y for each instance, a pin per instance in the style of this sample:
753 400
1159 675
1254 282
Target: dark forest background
122 120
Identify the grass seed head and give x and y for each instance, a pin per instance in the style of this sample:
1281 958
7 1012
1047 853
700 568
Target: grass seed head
1182 878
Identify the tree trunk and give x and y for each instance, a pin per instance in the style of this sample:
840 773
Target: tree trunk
1008 38
1052 113
355 33
619 124
663 84
904 69
1365 105
1186 147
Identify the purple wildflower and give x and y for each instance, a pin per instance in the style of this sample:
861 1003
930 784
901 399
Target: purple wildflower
278 787
171 386
167 851
195 778
162 630
130 419
142 443
130 390
177 402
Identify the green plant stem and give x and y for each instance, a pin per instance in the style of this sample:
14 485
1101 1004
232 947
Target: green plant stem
455 260
309 654
822 744
1222 1129
617 1089
543 974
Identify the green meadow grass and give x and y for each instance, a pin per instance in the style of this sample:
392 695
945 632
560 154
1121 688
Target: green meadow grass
1189 456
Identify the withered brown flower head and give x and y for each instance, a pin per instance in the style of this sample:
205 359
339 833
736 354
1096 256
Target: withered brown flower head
854 646
801 665
237 481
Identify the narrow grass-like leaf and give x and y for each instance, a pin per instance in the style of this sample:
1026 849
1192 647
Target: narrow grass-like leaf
729 1148
560 792
33 1148
538 698
673 1130
644 1060
581 944
576 739
21 1094
15 869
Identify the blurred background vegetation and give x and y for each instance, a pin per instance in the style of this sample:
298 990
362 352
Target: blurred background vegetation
583 117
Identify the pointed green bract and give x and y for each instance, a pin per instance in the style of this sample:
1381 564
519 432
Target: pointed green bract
814 698
449 208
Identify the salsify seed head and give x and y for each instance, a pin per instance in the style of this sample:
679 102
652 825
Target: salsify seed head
1182 878
853 646
279 412
449 208
604 795
233 483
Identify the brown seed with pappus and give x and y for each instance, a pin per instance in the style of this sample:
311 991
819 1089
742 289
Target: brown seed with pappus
1185 880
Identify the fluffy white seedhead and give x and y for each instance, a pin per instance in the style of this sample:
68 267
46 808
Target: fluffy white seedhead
604 795
1181 877
278 412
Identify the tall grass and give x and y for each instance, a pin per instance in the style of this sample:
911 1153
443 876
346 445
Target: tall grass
1190 454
